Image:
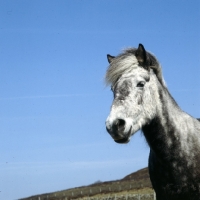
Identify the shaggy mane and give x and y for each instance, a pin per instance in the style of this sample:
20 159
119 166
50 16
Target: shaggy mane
125 62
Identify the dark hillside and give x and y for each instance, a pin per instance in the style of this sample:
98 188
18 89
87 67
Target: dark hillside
132 182
138 175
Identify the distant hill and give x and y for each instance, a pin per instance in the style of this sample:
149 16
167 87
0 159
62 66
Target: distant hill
138 175
142 174
134 181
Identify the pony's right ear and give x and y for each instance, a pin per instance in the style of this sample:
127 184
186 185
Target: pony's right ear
110 58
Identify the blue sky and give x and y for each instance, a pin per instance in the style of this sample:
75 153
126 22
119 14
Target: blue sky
53 99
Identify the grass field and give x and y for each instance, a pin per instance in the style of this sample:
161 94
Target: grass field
142 194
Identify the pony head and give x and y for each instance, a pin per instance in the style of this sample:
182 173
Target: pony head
134 85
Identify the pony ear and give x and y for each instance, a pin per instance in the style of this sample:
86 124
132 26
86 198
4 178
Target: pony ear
141 54
110 58
142 57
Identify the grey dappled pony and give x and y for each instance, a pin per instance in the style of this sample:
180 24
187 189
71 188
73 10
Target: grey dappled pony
142 101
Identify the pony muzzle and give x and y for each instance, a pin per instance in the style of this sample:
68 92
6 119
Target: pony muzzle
118 130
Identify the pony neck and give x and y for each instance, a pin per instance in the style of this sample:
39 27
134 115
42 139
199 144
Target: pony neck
163 129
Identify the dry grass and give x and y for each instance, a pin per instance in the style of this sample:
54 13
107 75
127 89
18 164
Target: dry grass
134 191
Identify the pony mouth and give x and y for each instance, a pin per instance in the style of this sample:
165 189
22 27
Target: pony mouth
122 141
125 139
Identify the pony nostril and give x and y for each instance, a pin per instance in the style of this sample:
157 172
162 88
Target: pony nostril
116 126
120 123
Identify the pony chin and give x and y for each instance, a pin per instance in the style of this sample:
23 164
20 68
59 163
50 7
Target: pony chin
129 131
126 137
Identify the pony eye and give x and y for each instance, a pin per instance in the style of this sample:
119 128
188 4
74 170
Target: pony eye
141 84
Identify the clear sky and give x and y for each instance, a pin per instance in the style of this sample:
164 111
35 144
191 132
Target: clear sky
53 99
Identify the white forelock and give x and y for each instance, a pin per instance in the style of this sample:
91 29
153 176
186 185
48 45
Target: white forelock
120 65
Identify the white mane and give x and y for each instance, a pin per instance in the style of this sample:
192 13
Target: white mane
125 62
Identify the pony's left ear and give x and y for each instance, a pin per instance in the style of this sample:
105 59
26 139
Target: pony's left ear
110 58
141 54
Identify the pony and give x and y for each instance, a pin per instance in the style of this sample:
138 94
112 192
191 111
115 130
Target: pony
143 102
